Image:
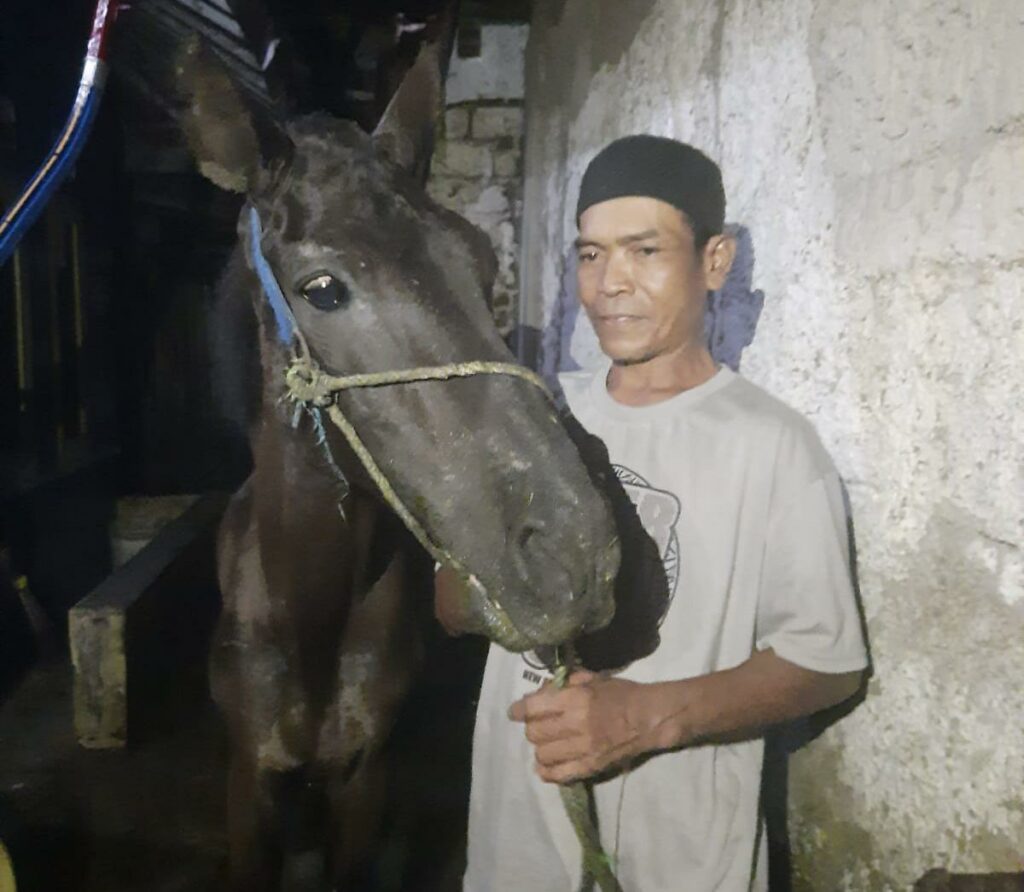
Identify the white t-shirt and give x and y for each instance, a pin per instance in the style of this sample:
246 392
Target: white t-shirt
746 509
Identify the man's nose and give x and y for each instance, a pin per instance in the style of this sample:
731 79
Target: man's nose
615 277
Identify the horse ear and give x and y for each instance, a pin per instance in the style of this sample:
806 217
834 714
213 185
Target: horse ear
405 132
232 137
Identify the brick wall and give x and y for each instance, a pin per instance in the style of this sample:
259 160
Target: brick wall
477 171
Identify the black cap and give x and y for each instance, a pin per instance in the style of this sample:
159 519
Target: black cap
657 167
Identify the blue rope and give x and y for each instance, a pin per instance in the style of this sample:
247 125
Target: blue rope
321 439
282 312
285 331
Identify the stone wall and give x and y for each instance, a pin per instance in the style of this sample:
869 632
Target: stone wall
477 169
875 153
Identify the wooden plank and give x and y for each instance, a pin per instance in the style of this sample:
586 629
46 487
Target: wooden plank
101 677
129 634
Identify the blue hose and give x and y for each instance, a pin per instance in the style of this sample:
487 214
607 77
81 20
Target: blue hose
55 169
30 203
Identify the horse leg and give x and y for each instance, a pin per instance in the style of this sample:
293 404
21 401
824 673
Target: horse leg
251 861
237 571
273 808
380 652
357 800
277 820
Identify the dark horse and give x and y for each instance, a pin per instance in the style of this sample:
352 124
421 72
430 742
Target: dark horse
323 607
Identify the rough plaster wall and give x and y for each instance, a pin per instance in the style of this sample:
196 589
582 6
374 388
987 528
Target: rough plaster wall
875 150
497 73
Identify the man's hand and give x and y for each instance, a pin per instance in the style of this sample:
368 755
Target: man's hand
591 724
597 722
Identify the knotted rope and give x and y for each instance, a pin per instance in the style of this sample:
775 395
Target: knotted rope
308 384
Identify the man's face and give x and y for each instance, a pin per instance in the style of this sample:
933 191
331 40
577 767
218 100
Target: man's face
641 281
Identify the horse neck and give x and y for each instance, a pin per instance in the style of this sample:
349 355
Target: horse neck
322 556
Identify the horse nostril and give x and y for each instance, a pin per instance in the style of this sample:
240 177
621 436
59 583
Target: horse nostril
528 534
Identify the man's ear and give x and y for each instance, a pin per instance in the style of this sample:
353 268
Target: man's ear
233 139
719 253
405 132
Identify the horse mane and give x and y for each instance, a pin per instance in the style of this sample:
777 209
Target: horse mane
234 347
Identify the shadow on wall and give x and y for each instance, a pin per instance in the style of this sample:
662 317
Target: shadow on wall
734 311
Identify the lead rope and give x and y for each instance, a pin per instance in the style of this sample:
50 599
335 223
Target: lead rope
578 801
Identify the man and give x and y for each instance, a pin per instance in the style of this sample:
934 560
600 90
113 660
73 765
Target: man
746 508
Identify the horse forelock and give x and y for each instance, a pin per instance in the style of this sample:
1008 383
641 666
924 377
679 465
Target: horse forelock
336 168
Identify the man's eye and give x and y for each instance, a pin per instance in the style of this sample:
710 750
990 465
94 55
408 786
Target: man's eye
325 292
587 256
648 250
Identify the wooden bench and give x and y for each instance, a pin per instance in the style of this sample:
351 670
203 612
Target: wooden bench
145 629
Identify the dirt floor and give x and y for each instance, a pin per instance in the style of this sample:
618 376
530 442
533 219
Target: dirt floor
151 817
146 818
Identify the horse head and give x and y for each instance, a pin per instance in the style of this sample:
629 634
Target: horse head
376 276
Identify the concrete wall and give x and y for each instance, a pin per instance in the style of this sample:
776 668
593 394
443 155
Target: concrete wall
497 73
875 152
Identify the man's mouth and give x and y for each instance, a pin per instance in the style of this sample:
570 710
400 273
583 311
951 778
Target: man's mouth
618 318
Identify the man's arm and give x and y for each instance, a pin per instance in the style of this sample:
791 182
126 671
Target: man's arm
597 722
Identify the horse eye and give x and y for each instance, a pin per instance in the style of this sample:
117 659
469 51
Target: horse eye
325 292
